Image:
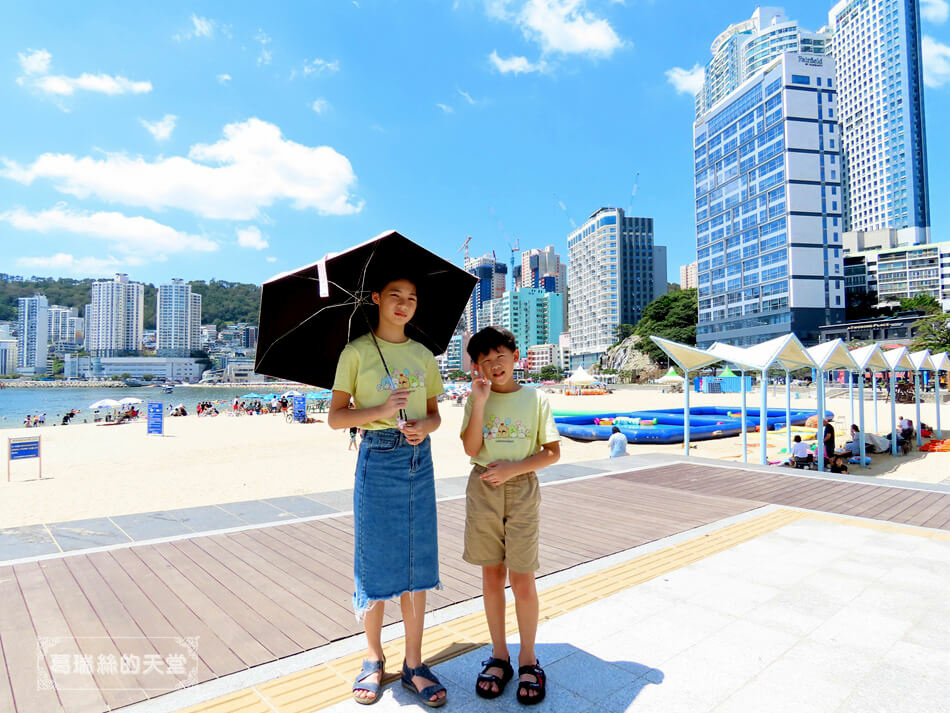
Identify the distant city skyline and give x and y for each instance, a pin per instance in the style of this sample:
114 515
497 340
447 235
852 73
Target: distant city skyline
136 150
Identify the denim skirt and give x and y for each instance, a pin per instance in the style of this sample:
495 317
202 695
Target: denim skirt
396 539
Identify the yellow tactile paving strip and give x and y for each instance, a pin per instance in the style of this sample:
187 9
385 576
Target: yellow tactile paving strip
329 683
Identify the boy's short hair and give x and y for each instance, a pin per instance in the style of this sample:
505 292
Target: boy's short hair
615 429
797 439
484 340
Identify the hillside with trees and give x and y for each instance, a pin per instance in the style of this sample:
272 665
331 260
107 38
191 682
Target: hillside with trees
222 302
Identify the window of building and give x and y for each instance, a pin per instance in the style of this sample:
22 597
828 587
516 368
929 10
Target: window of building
800 79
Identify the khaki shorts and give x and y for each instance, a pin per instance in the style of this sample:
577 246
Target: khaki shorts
501 522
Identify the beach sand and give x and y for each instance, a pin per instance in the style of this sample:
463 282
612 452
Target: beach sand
94 471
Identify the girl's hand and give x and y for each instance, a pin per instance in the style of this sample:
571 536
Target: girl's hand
415 432
481 387
499 472
398 399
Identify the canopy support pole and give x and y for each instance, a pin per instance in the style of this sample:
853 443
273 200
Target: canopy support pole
893 413
874 397
788 414
861 418
764 419
851 394
937 399
686 411
745 435
820 450
917 406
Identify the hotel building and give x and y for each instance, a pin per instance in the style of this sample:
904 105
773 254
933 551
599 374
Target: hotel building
768 206
616 271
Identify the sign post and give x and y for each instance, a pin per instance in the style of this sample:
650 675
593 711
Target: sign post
156 418
300 409
25 447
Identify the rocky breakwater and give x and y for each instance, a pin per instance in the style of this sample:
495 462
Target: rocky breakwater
59 384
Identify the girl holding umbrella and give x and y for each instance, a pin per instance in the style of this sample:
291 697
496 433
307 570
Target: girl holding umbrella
394 383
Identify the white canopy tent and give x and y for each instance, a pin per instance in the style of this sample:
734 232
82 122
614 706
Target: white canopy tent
897 360
580 377
828 356
869 357
741 359
687 358
941 362
921 361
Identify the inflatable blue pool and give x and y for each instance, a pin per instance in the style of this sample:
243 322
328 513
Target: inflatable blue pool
666 425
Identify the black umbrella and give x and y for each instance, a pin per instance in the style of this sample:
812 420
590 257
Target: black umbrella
309 315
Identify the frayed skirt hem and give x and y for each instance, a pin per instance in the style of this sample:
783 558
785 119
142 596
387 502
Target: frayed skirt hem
363 603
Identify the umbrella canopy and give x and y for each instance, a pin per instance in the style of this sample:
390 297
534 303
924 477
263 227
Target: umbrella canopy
129 401
727 372
580 377
105 403
292 392
670 377
309 315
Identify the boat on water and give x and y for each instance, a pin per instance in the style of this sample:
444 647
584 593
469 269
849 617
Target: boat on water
168 389
132 381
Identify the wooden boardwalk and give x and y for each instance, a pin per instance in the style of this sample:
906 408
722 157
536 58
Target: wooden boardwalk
258 595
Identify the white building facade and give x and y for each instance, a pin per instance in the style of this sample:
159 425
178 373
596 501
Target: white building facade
768 206
614 275
177 319
32 334
8 354
59 317
115 317
688 276
100 368
877 50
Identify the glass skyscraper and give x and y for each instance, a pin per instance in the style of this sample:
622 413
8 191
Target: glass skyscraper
768 206
877 50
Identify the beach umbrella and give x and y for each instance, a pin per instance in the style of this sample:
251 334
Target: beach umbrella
309 315
130 401
292 392
670 377
105 403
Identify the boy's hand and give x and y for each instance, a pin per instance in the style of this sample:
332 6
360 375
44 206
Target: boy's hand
500 472
398 399
481 387
415 432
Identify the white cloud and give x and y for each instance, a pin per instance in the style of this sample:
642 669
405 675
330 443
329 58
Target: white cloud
271 258
35 61
319 66
35 65
466 96
320 105
446 109
935 11
560 26
63 262
162 129
686 81
132 235
251 168
936 58
200 27
223 78
514 65
251 238
265 56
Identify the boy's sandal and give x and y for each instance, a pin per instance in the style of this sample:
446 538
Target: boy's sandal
524 687
484 677
426 693
370 669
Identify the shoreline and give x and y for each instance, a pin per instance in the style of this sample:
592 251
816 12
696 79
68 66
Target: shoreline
63 384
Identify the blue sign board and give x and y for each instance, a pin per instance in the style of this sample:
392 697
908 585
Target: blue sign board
156 416
25 448
300 409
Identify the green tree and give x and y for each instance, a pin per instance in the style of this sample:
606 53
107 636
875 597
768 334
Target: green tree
622 331
550 373
671 316
925 303
863 305
933 333
457 375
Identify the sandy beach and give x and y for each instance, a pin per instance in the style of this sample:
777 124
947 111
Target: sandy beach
93 471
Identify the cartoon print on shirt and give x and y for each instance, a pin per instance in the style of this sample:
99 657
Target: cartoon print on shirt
496 429
404 379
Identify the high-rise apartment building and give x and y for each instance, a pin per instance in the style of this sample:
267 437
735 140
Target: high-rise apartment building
59 317
744 48
537 264
614 271
688 276
32 334
8 353
877 49
114 317
768 206
177 319
533 315
491 276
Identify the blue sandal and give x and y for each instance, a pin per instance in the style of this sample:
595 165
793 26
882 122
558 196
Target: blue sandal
426 693
370 668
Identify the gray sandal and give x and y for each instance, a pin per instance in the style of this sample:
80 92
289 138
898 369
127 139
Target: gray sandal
370 668
426 693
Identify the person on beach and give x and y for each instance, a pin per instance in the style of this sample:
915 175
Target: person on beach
828 440
394 383
617 443
354 431
509 433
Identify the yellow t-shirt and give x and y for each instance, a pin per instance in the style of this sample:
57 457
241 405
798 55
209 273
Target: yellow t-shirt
360 373
516 425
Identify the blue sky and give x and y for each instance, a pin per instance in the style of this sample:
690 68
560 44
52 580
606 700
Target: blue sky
236 141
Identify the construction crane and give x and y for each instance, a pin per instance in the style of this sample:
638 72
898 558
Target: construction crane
514 248
468 239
